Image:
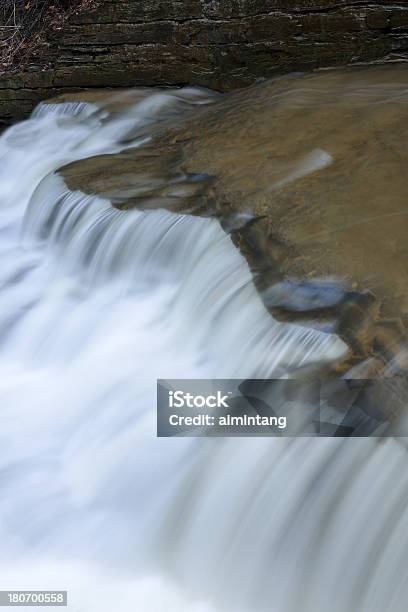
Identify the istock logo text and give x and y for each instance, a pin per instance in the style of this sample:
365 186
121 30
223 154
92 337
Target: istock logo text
180 399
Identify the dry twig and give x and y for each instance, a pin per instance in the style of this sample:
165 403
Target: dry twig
24 24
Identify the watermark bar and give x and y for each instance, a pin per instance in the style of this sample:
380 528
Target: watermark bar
33 598
282 408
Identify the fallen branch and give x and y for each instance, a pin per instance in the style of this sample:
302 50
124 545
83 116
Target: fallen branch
24 25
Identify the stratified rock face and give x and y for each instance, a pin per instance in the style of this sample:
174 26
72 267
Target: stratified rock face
220 44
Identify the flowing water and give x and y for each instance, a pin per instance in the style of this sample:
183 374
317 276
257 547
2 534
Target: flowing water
96 304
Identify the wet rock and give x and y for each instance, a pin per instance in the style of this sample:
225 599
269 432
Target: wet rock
136 179
302 296
346 219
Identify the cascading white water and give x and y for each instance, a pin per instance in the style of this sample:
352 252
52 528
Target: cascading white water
97 304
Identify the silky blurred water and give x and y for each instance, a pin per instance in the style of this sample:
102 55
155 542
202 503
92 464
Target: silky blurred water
96 304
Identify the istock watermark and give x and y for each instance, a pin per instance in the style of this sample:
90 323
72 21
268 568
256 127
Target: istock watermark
179 399
276 407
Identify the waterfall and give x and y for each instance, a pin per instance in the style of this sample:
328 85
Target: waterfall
97 303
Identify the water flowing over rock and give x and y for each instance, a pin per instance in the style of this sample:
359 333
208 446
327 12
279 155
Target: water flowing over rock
98 301
330 205
221 44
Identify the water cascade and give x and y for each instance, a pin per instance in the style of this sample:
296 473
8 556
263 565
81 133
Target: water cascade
97 303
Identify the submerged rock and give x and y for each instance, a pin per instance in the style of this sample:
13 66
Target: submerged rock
308 174
301 295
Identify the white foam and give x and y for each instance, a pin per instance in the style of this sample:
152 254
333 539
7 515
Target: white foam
96 304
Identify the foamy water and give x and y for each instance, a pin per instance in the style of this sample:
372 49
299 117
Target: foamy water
97 304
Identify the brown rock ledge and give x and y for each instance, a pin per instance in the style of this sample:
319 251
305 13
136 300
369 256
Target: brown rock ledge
317 166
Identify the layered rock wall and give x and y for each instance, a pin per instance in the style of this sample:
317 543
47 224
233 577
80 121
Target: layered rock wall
220 44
